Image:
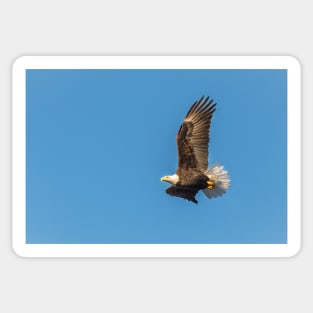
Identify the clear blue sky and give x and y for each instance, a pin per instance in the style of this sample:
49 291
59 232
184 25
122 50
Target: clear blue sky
98 142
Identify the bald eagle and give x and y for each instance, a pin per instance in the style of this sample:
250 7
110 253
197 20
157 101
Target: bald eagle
192 141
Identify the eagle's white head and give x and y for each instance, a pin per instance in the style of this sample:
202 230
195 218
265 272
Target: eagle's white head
172 179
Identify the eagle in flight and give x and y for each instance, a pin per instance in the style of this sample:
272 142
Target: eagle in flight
192 141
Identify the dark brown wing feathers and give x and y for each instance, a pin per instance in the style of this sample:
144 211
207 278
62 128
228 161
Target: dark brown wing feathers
193 137
185 193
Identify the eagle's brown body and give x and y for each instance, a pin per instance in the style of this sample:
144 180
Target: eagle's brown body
187 188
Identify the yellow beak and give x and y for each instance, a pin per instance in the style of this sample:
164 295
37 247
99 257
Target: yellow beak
163 178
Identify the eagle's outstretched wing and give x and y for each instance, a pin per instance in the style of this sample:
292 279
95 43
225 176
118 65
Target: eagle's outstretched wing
193 136
178 191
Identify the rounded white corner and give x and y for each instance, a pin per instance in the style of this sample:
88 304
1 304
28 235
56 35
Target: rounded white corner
19 61
294 250
294 62
18 250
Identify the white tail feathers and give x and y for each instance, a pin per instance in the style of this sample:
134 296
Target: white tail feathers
221 180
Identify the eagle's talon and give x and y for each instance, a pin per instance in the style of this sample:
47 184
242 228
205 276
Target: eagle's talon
211 184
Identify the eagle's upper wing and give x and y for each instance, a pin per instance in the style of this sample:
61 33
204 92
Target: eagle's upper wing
185 193
193 136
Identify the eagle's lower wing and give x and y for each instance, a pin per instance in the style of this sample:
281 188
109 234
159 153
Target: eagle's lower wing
193 136
188 194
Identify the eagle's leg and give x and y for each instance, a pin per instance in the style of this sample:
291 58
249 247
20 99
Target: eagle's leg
211 184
